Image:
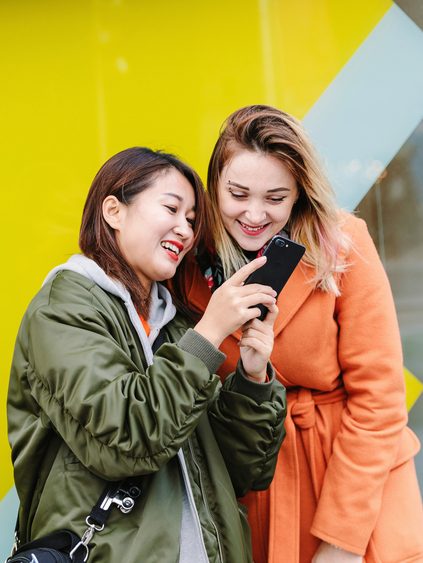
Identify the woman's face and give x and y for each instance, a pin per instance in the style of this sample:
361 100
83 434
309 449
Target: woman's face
256 193
155 231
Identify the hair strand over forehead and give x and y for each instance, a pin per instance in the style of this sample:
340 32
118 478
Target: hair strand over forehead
315 218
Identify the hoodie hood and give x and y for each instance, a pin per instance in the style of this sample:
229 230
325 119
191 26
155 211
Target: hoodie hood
162 310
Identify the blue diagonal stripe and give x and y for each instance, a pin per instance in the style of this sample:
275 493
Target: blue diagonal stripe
372 106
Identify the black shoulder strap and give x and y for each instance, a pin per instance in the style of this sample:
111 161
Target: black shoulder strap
160 339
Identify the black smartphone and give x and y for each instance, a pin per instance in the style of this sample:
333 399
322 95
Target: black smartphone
283 256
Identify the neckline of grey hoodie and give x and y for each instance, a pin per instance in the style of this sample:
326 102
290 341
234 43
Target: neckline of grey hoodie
162 311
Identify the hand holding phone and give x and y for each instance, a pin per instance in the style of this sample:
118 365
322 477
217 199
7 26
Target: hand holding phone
256 345
230 306
283 255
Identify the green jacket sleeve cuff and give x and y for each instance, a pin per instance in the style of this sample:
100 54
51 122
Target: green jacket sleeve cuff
195 344
260 392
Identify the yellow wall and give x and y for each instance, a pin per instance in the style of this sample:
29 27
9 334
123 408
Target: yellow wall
83 79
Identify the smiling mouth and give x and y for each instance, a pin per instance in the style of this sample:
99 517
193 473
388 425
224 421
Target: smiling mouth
173 248
250 230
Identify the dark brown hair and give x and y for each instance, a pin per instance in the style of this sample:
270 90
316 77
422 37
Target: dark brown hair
125 175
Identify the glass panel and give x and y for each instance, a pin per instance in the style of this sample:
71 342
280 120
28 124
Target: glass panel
393 210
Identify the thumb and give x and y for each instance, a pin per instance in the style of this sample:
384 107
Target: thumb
271 315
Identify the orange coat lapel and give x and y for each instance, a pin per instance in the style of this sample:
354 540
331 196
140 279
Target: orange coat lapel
293 295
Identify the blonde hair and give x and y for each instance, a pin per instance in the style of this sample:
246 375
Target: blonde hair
315 219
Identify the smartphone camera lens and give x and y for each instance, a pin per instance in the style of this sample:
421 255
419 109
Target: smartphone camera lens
280 242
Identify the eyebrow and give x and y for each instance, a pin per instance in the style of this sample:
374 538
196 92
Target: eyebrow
273 190
178 197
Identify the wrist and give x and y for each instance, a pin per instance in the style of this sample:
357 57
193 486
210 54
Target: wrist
265 375
257 378
260 392
210 333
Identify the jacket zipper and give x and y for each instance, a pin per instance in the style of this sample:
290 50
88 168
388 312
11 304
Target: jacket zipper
206 504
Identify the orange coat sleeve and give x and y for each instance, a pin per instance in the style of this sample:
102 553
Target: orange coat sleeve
366 447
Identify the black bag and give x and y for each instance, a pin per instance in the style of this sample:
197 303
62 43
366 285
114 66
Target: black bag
65 546
53 548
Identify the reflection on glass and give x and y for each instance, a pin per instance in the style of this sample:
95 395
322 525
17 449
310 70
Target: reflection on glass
393 210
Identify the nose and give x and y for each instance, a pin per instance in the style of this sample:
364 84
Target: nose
184 230
255 214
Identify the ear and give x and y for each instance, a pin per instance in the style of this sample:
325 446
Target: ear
113 212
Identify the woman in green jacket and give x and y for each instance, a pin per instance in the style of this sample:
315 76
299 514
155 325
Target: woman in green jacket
108 381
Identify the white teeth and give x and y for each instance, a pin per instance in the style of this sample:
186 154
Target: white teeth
171 247
248 228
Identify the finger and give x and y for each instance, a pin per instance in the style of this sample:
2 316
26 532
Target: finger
266 338
247 325
255 344
258 299
242 274
257 335
271 316
253 288
251 314
257 324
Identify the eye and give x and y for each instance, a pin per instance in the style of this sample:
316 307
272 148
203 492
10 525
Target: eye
191 222
276 199
237 195
171 208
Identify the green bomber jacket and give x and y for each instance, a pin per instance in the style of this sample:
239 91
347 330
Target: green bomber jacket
84 408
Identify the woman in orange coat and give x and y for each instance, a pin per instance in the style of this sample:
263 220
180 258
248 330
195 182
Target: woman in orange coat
345 489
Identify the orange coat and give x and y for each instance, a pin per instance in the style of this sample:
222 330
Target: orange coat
345 471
